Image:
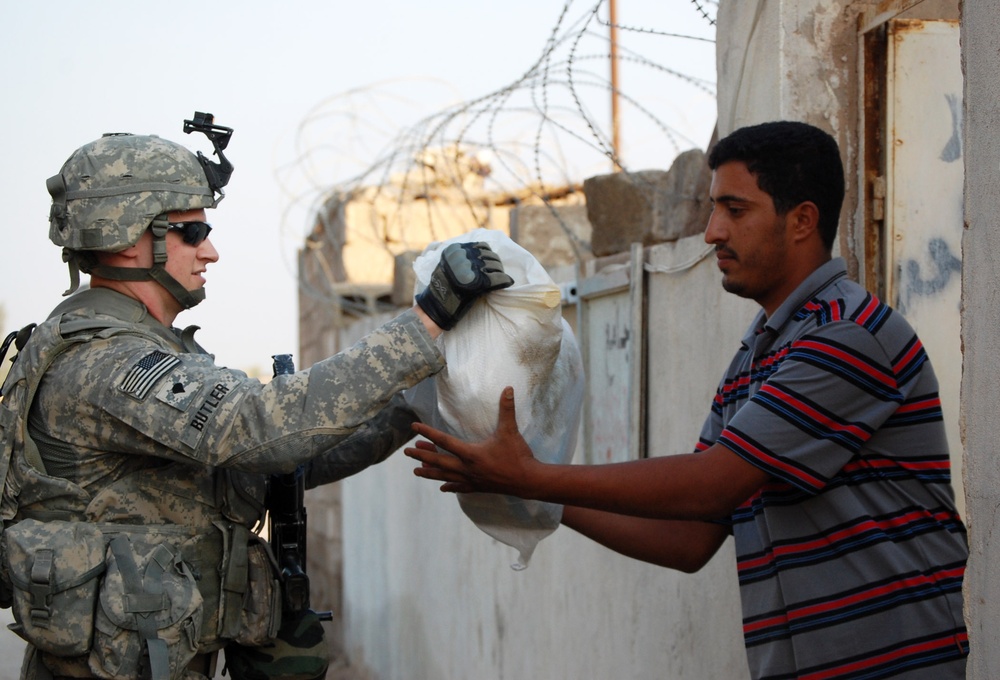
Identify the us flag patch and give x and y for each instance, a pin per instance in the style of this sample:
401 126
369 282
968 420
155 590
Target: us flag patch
141 377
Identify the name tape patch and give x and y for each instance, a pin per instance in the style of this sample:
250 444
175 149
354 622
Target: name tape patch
146 373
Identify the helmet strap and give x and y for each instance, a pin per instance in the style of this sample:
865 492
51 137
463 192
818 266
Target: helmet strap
158 272
69 257
186 298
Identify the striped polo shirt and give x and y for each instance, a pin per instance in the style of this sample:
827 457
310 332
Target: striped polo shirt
851 558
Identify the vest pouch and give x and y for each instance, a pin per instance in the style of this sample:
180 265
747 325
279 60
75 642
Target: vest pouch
149 612
260 617
251 590
54 569
8 432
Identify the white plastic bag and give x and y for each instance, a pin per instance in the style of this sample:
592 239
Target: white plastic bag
515 336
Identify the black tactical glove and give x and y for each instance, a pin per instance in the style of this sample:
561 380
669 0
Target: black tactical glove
466 271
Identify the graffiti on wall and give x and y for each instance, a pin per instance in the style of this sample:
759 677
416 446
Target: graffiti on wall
944 266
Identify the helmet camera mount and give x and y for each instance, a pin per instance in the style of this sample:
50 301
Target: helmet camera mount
218 174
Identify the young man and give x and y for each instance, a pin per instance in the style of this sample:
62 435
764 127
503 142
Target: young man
824 454
116 424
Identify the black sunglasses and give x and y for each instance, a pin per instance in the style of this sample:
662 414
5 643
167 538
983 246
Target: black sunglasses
193 233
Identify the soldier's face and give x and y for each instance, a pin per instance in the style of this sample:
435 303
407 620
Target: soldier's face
185 262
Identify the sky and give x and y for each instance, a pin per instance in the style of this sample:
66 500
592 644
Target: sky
315 90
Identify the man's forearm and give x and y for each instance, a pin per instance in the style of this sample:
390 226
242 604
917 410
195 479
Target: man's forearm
699 486
683 545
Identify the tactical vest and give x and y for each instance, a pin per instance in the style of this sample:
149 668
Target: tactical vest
208 539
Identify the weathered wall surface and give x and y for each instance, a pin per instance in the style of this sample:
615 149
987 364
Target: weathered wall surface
981 330
786 60
555 236
793 61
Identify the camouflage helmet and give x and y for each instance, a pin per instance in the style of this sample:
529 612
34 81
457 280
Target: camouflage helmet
110 191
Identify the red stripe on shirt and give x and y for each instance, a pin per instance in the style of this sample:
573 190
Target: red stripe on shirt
908 357
918 649
815 415
771 460
851 359
835 537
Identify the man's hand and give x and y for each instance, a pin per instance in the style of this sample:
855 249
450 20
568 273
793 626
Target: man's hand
465 271
503 463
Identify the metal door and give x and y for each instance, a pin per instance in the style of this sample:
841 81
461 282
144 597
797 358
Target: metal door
924 198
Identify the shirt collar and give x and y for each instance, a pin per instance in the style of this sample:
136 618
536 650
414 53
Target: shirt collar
822 276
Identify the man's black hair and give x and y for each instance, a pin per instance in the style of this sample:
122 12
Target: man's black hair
793 163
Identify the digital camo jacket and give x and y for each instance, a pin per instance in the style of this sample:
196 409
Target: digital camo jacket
136 425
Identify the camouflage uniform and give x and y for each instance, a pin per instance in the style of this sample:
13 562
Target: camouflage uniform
155 433
135 468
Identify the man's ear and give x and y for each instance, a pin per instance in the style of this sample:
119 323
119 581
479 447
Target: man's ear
123 257
120 257
804 221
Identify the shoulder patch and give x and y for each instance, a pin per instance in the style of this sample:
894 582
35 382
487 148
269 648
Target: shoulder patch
179 391
146 373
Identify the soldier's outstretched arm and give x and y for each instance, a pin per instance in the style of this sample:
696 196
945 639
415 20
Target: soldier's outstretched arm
198 412
370 444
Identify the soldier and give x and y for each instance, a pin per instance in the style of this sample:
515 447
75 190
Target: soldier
126 441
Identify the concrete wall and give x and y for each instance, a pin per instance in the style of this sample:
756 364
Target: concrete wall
793 60
981 330
785 60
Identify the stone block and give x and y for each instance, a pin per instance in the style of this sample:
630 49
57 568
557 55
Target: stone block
556 235
404 278
650 206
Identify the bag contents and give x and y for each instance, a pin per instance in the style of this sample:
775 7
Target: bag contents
515 336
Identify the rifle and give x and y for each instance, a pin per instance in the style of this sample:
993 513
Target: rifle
286 513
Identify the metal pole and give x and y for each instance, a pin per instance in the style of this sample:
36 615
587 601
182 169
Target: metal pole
615 128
